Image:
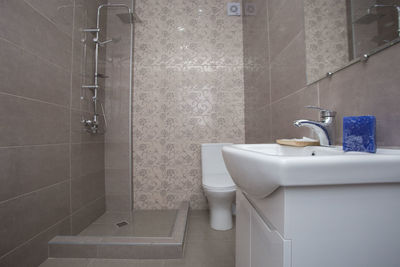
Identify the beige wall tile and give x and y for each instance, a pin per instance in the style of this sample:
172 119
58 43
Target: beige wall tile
188 91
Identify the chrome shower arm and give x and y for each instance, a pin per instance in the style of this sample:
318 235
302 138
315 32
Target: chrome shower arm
109 5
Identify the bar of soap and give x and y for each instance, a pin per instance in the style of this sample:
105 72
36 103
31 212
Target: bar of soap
359 134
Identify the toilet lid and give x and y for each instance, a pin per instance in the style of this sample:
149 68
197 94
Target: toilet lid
223 180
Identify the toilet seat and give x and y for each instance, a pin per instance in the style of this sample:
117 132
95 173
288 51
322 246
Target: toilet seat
218 182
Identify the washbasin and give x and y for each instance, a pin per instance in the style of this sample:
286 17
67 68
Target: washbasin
259 169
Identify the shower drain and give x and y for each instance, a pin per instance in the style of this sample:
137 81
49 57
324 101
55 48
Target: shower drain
121 224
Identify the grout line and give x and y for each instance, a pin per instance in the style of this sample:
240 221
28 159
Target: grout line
35 236
32 192
287 46
45 145
35 100
30 145
88 204
279 7
269 56
289 95
70 116
188 66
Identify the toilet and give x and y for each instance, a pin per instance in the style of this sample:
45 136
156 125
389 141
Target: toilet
218 186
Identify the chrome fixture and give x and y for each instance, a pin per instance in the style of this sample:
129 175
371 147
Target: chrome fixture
129 17
325 128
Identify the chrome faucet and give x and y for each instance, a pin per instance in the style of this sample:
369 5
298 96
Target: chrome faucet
325 128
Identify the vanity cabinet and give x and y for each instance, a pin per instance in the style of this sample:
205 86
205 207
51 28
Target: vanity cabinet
320 226
257 245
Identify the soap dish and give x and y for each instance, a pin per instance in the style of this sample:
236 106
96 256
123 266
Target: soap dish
298 142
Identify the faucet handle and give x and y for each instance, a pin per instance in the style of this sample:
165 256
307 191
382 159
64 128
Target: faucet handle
323 112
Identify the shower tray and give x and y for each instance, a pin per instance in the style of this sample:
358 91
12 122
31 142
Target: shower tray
131 240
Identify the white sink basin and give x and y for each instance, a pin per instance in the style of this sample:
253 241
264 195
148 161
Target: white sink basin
260 169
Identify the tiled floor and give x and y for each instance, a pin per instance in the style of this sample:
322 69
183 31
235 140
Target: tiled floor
141 223
204 248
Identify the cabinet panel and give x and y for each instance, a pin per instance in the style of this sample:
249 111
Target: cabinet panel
268 249
243 233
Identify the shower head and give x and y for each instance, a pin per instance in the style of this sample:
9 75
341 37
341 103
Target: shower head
128 18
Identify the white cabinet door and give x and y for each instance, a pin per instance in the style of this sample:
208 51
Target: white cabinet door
243 233
268 249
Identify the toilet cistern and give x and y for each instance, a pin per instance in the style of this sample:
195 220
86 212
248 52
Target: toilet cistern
325 128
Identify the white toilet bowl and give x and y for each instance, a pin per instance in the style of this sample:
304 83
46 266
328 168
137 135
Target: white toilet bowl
218 186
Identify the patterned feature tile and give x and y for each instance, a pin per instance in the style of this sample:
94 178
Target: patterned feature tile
188 90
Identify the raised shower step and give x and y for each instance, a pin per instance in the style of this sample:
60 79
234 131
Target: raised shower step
113 247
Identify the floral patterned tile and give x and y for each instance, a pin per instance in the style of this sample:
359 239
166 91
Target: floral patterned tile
188 90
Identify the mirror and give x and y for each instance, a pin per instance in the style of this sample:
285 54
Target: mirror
339 32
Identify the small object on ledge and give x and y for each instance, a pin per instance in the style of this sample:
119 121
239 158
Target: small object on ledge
305 141
359 134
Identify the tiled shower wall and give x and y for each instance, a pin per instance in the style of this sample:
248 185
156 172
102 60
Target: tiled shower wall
188 90
279 81
51 170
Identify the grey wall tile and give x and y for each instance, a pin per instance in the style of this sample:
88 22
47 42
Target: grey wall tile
274 6
288 109
30 76
153 251
86 215
258 125
286 23
86 158
24 217
26 122
22 169
87 188
36 42
34 32
59 12
367 89
66 262
288 69
118 202
257 84
35 251
118 182
72 251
